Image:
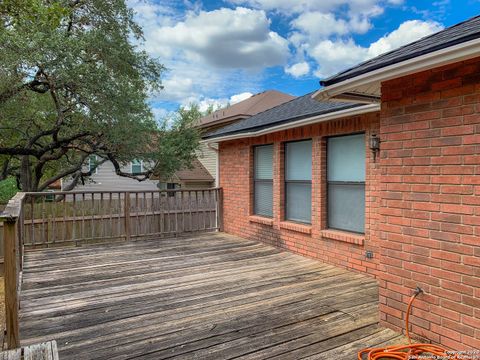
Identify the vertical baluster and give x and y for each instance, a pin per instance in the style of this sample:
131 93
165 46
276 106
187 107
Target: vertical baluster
53 215
83 216
119 212
110 214
137 232
145 210
204 206
175 205
161 209
64 230
167 212
190 211
44 222
127 215
93 216
182 202
197 213
220 209
152 211
102 220
74 219
32 220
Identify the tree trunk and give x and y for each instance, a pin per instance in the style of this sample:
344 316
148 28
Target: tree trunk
26 174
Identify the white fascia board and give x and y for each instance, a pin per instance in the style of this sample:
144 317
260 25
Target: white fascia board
308 121
452 54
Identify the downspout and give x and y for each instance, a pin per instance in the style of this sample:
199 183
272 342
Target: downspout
217 164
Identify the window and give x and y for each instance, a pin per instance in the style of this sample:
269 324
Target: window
136 167
263 180
346 183
92 164
298 181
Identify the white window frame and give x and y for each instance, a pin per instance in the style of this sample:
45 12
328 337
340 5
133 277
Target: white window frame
131 167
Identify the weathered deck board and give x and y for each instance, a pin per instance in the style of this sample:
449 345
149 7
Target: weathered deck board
212 296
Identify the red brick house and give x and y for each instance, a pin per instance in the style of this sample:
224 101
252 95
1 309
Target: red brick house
306 176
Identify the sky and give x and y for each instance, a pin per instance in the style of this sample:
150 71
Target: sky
219 52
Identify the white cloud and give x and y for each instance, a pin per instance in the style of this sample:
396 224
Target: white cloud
299 69
210 55
240 97
205 103
407 32
226 38
296 6
318 24
336 55
332 56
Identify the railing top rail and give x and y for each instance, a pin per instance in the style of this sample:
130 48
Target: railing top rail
13 208
45 193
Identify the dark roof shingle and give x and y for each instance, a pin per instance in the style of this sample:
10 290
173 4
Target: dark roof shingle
293 110
456 34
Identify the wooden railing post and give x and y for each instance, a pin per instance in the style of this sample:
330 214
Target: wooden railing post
220 209
10 236
12 218
127 216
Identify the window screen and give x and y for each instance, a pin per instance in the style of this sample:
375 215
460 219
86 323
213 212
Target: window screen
298 181
263 180
136 167
346 183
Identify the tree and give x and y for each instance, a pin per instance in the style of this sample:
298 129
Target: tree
73 82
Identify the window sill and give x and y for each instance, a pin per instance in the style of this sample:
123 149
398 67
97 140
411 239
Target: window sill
260 220
343 236
305 229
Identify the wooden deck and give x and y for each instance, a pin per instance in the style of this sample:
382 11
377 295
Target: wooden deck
212 296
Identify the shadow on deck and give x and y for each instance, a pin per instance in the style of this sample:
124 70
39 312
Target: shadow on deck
212 296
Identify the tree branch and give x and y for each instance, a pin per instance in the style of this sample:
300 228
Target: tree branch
64 173
139 177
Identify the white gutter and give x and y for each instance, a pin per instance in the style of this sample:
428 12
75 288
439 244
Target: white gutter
456 53
308 121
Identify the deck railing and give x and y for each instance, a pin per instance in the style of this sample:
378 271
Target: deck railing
33 220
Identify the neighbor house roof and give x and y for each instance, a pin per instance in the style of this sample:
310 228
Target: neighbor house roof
197 173
453 44
246 108
464 31
303 107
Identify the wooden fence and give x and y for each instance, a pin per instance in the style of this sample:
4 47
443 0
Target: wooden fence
33 220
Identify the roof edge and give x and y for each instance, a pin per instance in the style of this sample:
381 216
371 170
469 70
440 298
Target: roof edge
444 56
352 111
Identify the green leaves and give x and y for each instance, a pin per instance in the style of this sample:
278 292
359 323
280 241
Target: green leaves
72 83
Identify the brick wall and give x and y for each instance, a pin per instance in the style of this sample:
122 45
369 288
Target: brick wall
236 166
430 203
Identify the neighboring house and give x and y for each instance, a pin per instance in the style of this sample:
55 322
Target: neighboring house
104 178
242 110
196 177
389 187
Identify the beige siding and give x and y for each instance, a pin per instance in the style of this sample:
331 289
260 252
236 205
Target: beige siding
105 179
208 158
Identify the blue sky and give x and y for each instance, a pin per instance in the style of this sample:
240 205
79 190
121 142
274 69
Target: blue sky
222 51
